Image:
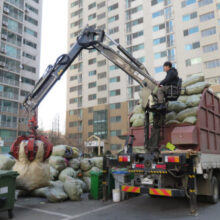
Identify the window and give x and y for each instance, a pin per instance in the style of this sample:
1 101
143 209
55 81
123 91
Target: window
158 27
160 55
189 17
207 16
114 79
208 32
73 100
135 48
29 56
130 24
102 27
27 81
29 68
102 101
115 92
218 6
210 48
102 88
193 61
115 132
159 40
31 20
102 75
100 16
72 78
30 32
113 18
92 5
11 51
73 124
30 44
192 46
158 13
31 8
113 7
100 5
115 106
36 1
190 31
92 16
90 110
169 26
92 73
24 93
154 2
77 13
204 2
92 85
90 122
92 97
141 59
78 23
113 30
131 11
101 63
92 61
187 2
115 119
115 147
13 12
212 64
113 67
100 123
158 69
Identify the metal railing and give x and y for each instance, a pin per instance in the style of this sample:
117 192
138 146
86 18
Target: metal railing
7 124
9 81
9 95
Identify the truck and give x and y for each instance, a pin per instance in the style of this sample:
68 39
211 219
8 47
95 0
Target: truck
192 170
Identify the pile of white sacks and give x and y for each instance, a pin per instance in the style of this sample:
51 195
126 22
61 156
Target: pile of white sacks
63 176
184 110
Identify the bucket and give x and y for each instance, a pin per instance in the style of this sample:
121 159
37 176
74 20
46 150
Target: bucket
116 195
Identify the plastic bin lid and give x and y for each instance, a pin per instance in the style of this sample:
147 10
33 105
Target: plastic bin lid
4 173
95 173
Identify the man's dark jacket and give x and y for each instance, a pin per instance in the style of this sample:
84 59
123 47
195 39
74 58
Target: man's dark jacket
171 78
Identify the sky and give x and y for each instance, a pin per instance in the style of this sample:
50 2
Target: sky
53 44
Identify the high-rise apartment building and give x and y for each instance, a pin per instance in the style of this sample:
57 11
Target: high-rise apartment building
20 37
99 95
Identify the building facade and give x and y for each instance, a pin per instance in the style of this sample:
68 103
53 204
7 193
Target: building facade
99 95
20 25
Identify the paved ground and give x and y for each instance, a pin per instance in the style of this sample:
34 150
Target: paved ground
136 208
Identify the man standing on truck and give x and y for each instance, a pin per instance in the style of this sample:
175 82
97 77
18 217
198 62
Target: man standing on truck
170 80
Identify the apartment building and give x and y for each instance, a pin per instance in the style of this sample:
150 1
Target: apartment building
20 25
99 95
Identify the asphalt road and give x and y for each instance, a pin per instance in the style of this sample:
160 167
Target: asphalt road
141 207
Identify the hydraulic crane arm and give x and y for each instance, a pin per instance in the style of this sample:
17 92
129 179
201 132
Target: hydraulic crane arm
90 39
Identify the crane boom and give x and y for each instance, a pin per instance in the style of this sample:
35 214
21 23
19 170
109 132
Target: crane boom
89 38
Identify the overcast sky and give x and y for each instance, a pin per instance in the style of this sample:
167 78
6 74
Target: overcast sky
54 43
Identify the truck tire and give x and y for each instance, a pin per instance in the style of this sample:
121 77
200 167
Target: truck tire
213 199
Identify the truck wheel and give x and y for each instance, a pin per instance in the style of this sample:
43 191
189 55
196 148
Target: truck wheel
213 199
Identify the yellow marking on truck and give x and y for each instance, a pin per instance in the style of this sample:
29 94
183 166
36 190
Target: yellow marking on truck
60 72
192 176
160 192
133 189
192 190
158 172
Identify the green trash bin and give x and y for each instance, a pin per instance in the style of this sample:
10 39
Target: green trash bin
7 191
96 185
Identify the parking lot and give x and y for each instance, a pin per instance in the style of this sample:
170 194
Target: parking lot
141 207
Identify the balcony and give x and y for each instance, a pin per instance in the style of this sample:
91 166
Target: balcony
6 124
8 110
9 81
9 95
